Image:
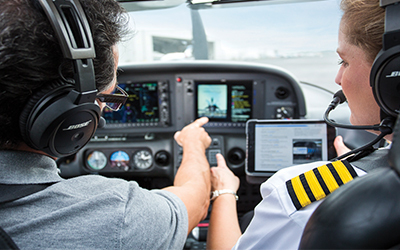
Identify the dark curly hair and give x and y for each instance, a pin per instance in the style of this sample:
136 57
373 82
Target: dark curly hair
30 56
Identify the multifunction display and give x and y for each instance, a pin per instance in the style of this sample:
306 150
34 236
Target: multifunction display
142 106
224 101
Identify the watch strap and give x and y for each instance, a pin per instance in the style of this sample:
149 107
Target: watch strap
216 193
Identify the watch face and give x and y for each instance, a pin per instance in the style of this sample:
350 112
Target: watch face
214 194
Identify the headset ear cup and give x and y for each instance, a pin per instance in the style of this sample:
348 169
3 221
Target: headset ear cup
385 80
52 123
57 86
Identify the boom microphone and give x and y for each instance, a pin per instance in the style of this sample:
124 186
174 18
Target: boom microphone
385 127
339 98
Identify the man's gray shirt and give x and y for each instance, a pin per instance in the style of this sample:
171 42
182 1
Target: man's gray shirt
87 212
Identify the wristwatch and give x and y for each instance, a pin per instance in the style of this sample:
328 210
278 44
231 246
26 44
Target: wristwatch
216 193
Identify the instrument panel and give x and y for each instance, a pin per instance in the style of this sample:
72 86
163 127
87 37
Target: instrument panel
137 141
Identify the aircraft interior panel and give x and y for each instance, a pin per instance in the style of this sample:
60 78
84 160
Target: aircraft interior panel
137 141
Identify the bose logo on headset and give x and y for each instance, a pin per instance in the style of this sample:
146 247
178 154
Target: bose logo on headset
61 117
82 125
394 74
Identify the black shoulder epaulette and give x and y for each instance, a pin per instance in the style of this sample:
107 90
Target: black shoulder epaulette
316 184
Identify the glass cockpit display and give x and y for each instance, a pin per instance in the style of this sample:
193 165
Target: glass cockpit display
212 101
224 101
141 106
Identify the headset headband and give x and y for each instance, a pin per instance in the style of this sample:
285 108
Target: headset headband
392 28
73 33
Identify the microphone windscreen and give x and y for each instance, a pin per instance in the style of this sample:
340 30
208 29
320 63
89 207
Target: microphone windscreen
339 94
102 122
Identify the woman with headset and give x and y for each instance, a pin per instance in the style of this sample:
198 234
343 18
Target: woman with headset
277 223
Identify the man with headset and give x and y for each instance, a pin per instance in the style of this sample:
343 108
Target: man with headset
58 61
369 79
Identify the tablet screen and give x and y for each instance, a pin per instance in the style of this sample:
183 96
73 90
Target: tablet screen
276 144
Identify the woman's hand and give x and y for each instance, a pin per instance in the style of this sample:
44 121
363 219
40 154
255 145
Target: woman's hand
222 177
339 146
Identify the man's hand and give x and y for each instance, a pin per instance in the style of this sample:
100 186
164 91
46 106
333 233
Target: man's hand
193 133
192 180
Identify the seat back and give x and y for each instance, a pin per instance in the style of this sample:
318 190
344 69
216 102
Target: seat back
364 214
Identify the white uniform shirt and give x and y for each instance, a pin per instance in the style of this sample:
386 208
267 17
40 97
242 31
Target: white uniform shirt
277 224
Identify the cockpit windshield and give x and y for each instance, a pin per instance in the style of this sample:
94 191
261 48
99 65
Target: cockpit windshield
298 36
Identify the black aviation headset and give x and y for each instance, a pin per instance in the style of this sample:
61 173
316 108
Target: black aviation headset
385 72
62 117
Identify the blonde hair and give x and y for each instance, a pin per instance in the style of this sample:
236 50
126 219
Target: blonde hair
363 25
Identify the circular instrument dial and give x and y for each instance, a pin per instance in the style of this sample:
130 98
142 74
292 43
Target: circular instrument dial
120 159
97 160
143 159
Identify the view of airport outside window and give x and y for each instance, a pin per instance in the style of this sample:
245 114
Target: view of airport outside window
300 37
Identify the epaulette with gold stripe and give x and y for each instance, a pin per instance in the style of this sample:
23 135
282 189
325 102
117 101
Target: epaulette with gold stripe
316 184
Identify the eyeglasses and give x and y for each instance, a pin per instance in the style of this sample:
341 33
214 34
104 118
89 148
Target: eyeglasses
115 100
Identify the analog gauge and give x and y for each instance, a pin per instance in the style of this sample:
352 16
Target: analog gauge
143 159
97 160
120 159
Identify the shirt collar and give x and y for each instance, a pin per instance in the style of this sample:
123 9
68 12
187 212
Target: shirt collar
22 167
